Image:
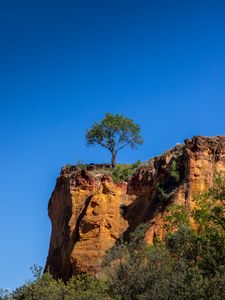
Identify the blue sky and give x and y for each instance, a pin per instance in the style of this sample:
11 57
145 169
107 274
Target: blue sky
63 64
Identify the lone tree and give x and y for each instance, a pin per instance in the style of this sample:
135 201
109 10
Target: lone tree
114 133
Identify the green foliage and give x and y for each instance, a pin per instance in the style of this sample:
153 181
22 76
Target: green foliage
211 206
36 271
123 171
177 215
81 164
210 218
173 171
5 294
170 270
114 133
85 287
45 287
143 272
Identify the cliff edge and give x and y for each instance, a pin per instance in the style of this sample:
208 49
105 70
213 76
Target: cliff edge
89 212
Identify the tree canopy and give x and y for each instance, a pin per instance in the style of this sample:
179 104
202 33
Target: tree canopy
114 133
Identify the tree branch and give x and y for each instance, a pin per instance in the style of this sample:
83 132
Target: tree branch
123 146
100 143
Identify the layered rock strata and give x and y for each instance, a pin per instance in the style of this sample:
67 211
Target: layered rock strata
90 212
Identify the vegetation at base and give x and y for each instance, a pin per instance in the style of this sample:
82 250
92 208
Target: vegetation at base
177 216
189 264
45 287
123 171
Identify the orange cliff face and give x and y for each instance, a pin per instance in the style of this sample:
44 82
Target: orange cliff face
90 213
86 221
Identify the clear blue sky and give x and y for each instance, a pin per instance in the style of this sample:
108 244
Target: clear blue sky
63 64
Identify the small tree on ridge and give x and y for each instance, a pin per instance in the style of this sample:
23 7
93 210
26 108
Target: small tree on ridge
114 133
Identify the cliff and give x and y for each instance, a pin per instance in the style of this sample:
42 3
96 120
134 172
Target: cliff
89 212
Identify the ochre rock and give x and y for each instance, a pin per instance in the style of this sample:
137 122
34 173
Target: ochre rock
86 221
89 213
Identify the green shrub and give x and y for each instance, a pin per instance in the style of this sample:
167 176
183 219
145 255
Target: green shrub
123 171
177 216
81 164
45 287
173 171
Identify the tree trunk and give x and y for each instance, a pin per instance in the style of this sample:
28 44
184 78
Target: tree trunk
113 161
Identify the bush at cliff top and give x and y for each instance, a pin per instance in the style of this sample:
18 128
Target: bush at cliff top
123 171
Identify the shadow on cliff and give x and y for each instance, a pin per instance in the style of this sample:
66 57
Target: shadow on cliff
153 193
58 263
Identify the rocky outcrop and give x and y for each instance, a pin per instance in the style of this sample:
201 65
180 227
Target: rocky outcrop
86 221
89 212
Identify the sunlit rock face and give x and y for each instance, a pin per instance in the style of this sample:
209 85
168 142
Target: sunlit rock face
86 221
89 212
